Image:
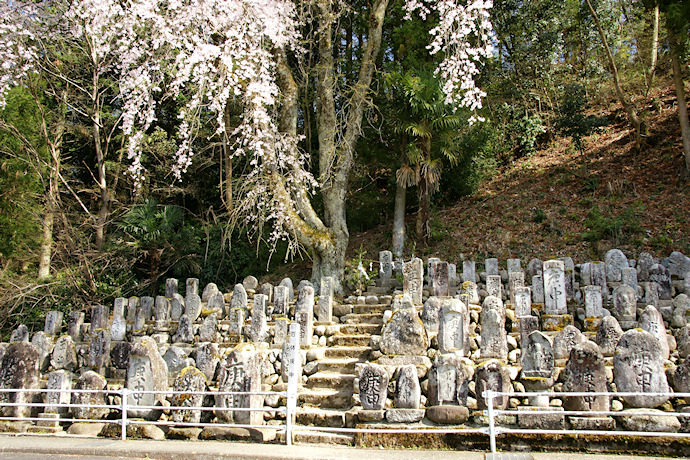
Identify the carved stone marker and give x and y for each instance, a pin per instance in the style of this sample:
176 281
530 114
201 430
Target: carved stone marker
493 320
441 279
373 386
625 306
554 288
493 286
585 372
240 372
304 314
386 265
454 325
58 380
469 271
537 357
148 372
652 322
608 335
325 308
189 379
449 381
413 280
258 331
492 375
53 323
18 370
638 367
407 390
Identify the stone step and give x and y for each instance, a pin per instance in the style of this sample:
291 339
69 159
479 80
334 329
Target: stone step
326 398
330 380
368 318
361 328
344 366
349 340
315 437
361 353
314 416
370 309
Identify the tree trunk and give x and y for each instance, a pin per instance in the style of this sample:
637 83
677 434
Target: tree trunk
399 220
226 182
649 75
46 240
326 238
675 49
622 98
423 231
104 210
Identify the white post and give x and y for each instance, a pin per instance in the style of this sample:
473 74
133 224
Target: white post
489 395
293 380
124 393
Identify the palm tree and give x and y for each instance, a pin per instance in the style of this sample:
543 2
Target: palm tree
159 235
429 129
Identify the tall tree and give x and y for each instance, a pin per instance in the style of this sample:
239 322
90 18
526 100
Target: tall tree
228 50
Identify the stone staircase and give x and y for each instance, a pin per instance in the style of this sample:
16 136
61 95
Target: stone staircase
327 396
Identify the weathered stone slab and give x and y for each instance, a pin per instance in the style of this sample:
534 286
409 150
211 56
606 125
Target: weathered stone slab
491 266
208 331
652 322
404 334
441 279
523 302
176 359
258 331
469 271
64 354
19 369
90 380
659 274
240 372
625 306
99 349
281 300
58 380
615 263
184 333
494 287
207 358
53 323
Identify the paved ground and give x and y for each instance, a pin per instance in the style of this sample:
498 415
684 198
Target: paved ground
25 447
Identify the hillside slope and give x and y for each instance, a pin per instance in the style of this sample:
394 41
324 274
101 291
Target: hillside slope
560 203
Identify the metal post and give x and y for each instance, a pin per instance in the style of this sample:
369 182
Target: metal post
294 373
124 392
489 395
